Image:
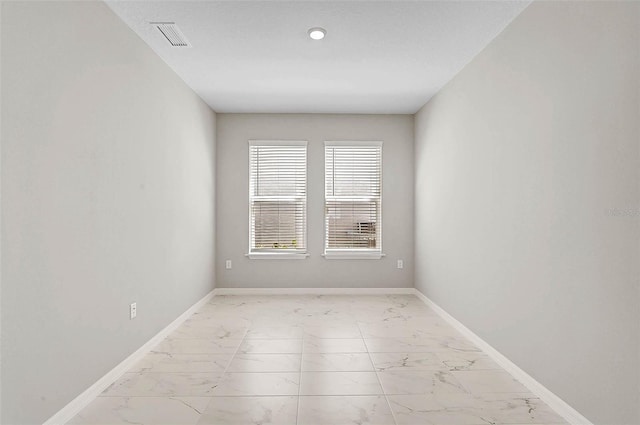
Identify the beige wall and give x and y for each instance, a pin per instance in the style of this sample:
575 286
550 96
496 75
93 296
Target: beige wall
519 160
108 198
234 131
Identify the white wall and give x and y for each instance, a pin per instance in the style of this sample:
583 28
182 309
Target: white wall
108 198
234 131
518 161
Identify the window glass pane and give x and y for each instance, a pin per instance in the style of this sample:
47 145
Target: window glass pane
278 224
279 170
277 197
352 197
353 171
352 224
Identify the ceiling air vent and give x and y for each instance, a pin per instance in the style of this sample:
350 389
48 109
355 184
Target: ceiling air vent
172 33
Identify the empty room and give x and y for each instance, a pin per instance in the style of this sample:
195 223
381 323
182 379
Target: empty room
320 212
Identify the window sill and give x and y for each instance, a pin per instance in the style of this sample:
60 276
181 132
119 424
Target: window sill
276 256
353 255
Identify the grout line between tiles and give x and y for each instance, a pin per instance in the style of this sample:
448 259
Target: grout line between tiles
233 356
376 372
200 396
299 379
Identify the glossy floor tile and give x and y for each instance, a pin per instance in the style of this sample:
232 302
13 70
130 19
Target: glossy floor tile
150 384
271 346
256 384
332 410
265 363
339 383
143 410
250 410
313 360
167 362
405 361
210 345
337 362
489 381
469 409
419 382
333 345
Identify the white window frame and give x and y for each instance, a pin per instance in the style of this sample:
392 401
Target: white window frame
354 253
288 254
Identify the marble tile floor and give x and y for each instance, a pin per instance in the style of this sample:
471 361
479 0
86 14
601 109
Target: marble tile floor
315 360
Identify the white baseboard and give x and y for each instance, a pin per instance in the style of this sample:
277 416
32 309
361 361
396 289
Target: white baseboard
313 291
556 403
77 404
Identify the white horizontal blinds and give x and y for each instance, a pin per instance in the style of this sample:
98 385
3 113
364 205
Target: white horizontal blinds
353 196
278 196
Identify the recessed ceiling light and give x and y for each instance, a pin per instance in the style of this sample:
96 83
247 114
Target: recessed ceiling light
317 33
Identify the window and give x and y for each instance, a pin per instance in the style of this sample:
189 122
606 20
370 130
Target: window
277 199
352 199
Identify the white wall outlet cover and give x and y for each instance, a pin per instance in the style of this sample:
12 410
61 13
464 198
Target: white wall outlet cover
133 311
228 264
400 264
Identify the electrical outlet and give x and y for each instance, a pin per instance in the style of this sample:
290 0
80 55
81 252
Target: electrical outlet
228 264
133 311
400 264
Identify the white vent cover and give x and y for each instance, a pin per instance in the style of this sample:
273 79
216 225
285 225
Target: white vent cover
172 33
